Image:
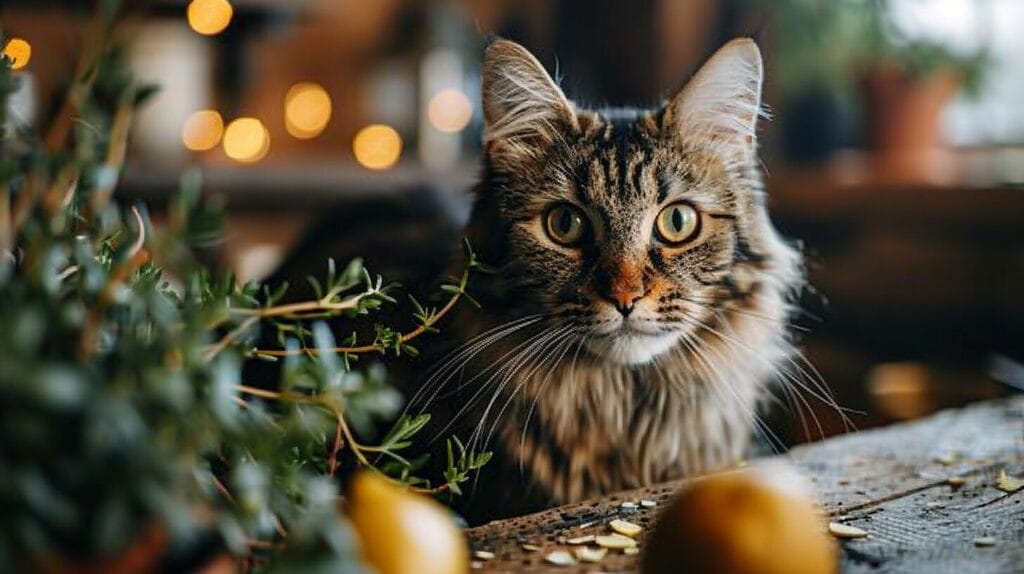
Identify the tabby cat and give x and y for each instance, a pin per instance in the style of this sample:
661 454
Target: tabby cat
640 303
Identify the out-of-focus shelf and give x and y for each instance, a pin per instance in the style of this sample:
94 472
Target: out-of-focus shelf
911 265
295 187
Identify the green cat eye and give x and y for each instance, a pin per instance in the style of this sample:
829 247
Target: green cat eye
565 224
677 224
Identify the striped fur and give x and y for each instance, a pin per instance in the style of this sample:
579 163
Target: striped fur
579 400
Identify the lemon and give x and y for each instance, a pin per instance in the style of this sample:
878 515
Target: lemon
401 532
753 521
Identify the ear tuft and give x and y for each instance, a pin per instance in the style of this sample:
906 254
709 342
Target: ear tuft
723 100
523 107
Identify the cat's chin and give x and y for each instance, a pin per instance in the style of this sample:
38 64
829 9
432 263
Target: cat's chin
631 348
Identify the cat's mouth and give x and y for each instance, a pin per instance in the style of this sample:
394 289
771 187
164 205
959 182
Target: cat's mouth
627 344
627 327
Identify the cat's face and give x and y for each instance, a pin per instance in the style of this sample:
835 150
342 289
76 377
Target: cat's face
632 228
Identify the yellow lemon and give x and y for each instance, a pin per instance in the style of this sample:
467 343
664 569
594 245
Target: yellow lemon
401 532
752 521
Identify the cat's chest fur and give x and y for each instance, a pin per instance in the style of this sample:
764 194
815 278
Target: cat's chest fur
596 428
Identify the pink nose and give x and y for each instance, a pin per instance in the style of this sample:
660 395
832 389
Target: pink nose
625 301
622 286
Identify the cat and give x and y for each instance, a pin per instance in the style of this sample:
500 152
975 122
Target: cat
639 307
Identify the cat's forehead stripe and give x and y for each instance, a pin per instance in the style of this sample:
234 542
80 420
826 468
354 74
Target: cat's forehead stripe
621 147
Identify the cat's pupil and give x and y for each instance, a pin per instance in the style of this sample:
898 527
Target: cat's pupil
677 219
565 222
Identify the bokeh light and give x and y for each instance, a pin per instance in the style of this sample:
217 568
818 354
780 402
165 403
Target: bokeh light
246 140
209 17
307 109
377 146
202 130
19 51
449 111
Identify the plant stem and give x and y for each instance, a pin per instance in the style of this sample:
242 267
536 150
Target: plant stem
262 393
6 238
378 347
88 339
304 306
223 490
116 152
85 74
342 435
231 336
339 441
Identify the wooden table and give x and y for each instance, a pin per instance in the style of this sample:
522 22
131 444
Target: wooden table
892 482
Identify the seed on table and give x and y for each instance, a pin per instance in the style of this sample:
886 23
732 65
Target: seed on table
581 540
955 481
531 547
846 531
631 551
984 541
483 555
586 554
1008 484
628 505
616 541
560 558
648 503
625 528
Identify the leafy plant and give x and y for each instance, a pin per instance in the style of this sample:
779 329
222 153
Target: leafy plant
831 44
124 417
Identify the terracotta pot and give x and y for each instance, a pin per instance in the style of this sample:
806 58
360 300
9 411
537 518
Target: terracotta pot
902 111
139 558
903 121
142 557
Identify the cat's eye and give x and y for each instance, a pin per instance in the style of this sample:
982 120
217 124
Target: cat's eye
677 224
565 224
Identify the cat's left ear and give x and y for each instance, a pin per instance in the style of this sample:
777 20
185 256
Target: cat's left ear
720 106
524 109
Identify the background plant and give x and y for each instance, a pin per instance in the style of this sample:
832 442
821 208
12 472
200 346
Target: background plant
831 44
122 405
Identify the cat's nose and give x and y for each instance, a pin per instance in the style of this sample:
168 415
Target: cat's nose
624 303
622 287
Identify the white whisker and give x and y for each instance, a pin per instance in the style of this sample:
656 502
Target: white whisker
465 353
496 364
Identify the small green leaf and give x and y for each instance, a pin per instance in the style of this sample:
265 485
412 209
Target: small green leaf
277 295
317 288
451 456
144 93
471 300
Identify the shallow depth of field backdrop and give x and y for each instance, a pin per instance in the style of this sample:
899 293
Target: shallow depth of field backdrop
895 150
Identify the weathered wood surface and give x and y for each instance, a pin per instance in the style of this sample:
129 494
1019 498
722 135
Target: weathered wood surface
891 482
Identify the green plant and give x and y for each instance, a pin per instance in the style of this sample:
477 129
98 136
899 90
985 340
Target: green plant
831 44
122 405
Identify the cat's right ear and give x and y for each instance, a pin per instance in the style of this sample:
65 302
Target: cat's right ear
524 110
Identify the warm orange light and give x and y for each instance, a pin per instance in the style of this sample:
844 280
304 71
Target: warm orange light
209 17
202 130
377 146
449 111
246 140
307 109
19 52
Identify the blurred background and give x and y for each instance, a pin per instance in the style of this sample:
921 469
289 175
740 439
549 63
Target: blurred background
346 127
